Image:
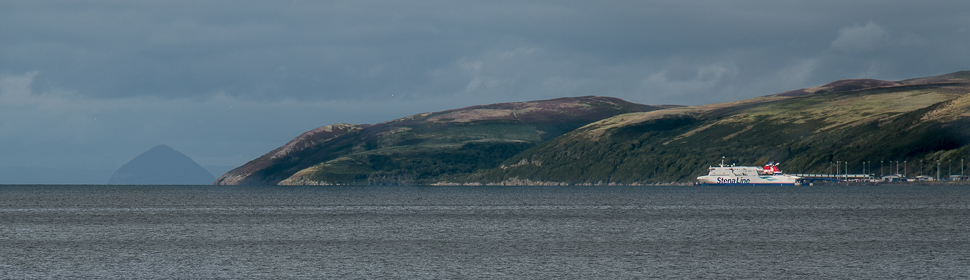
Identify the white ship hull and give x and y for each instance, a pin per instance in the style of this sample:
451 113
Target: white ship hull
748 180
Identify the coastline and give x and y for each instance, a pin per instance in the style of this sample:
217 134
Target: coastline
918 183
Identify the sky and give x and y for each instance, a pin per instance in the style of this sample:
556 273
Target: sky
92 84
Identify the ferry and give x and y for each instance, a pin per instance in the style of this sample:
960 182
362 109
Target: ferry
770 174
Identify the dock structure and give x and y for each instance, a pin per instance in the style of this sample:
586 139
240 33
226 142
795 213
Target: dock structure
835 177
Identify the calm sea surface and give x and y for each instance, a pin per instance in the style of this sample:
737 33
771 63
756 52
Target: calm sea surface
484 232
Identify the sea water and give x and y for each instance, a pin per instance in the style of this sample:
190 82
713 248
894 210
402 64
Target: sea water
847 232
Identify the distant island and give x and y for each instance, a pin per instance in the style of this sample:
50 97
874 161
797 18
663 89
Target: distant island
604 140
161 165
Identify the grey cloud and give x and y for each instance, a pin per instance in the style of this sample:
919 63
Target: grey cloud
860 38
228 80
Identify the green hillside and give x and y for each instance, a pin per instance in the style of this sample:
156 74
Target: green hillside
607 140
424 148
852 121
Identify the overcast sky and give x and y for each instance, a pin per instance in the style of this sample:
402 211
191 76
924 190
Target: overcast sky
92 84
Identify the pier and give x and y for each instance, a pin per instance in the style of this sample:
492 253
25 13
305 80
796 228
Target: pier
834 177
807 178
